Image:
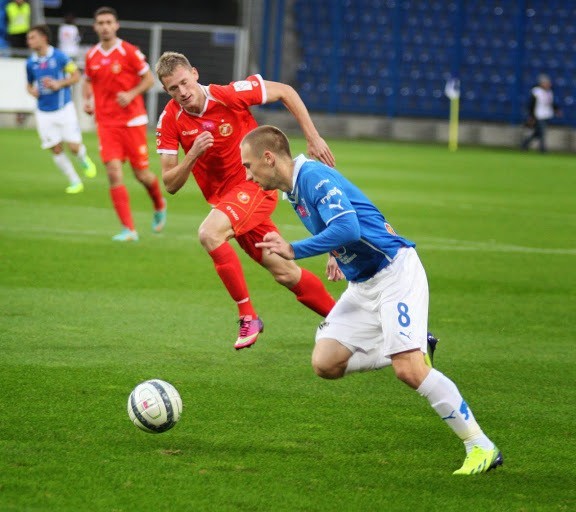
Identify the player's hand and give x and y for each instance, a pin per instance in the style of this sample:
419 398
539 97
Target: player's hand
203 142
50 83
89 107
273 243
333 272
318 149
124 98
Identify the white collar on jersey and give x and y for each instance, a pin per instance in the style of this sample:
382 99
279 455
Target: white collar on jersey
299 161
117 46
49 54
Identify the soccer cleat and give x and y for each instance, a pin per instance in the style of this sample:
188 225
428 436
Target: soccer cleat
159 219
250 328
89 167
429 356
126 235
480 460
76 188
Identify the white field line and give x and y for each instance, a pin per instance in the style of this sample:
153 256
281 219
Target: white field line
428 243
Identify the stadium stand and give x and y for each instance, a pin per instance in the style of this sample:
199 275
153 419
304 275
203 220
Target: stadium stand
393 57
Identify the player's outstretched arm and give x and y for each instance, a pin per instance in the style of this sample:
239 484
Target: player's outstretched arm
317 146
273 243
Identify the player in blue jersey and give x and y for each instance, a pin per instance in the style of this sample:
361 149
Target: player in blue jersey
50 74
381 319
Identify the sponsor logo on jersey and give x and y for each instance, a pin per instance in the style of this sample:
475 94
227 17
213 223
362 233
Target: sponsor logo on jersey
232 212
242 85
189 132
301 209
322 325
343 256
208 126
225 129
116 68
255 83
390 229
331 193
320 183
243 197
337 205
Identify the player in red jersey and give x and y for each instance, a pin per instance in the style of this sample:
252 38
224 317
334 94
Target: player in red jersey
117 75
209 123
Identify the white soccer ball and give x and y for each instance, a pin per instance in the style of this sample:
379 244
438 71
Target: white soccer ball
154 406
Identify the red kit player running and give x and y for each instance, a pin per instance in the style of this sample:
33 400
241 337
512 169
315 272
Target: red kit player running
209 123
117 75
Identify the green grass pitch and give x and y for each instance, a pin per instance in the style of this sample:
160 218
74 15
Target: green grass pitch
83 320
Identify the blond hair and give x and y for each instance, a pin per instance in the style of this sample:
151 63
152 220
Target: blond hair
168 62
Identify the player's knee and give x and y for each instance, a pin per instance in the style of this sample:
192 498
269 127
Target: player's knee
210 238
326 369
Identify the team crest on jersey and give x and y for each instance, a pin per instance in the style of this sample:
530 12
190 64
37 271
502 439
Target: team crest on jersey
116 68
243 197
225 129
390 229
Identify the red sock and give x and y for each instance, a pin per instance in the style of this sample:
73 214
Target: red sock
156 195
313 294
229 269
121 202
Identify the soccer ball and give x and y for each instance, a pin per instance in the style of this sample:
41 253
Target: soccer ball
154 406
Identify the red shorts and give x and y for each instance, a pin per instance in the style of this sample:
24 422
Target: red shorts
249 209
124 143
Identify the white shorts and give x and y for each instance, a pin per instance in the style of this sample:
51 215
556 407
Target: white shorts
389 311
58 125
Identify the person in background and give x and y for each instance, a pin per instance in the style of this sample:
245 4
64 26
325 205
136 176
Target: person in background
69 37
18 18
541 109
381 318
208 122
117 75
50 75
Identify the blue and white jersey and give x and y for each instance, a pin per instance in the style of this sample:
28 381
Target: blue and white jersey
343 221
55 64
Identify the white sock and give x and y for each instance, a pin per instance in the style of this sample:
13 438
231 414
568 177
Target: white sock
447 401
361 361
81 153
65 165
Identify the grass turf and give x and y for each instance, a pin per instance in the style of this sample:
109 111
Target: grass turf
83 320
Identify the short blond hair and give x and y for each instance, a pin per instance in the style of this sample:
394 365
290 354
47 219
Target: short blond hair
267 138
168 62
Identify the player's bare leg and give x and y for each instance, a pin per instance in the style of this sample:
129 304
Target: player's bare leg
307 287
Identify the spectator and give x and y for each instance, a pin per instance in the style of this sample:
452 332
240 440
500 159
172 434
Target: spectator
69 37
542 108
18 16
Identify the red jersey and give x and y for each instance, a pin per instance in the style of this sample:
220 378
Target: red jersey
113 71
227 115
